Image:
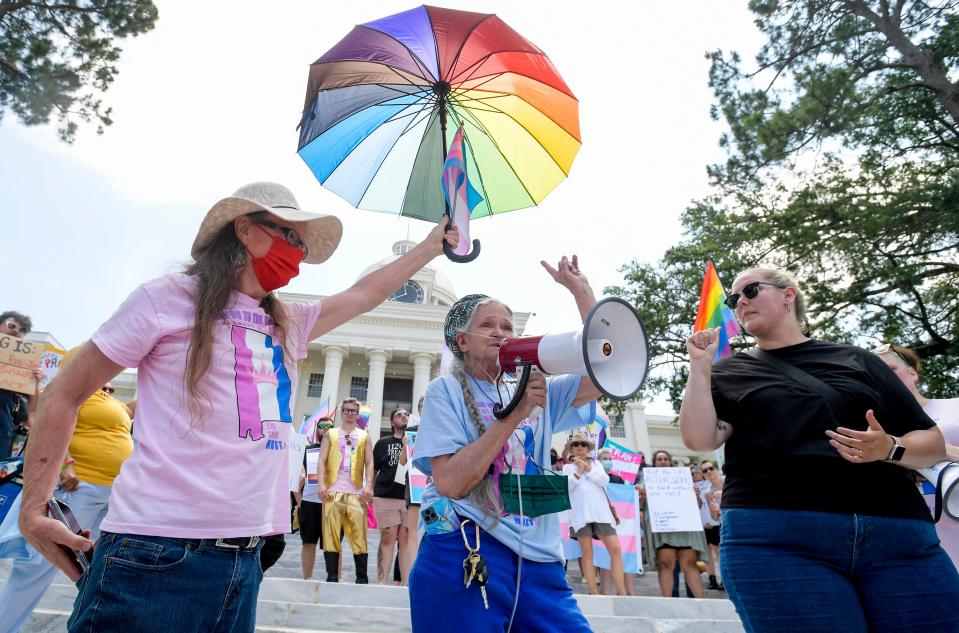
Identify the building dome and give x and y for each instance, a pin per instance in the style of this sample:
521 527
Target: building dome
439 288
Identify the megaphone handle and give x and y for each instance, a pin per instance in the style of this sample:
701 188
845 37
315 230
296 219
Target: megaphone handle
499 411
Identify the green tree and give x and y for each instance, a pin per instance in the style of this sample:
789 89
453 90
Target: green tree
57 57
843 148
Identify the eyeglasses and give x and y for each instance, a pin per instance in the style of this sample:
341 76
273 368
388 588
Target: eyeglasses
708 470
350 411
16 327
577 444
324 426
291 236
107 389
888 348
749 291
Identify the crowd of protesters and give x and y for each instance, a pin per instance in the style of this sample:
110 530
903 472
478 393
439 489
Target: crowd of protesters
165 482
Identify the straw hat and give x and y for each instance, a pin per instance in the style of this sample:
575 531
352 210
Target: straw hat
579 437
321 234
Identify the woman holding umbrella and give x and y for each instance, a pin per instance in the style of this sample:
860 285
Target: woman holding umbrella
464 448
216 351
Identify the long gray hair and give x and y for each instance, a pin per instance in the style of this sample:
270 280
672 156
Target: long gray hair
484 494
216 269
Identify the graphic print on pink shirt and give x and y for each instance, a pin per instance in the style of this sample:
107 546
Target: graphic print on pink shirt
263 387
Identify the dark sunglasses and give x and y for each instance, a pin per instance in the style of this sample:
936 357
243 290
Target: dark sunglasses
749 291
324 426
107 389
577 444
708 470
291 236
350 411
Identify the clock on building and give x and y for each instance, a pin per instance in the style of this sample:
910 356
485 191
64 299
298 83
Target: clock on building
410 292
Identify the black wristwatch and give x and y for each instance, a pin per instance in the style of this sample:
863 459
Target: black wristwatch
897 452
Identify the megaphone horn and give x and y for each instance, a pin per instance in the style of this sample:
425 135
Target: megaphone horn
945 477
612 350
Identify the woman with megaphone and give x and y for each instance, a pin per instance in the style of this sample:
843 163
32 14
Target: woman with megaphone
853 548
469 563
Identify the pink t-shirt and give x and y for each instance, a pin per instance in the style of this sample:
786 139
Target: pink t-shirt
343 481
945 413
225 475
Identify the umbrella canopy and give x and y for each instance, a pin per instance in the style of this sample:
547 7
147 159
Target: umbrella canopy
380 102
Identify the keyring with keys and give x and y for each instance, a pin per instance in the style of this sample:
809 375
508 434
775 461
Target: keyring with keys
474 567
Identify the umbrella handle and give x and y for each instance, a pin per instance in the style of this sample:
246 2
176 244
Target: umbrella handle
462 259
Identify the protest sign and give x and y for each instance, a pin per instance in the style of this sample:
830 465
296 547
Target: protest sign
626 463
630 530
672 500
18 359
50 364
297 448
418 479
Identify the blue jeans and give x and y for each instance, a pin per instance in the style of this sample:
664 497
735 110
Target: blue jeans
818 571
154 584
29 579
440 602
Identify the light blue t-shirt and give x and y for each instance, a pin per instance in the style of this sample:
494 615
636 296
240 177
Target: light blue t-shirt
446 427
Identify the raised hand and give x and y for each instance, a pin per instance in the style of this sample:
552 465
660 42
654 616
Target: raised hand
568 274
702 346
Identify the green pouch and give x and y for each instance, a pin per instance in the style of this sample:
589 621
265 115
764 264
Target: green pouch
542 494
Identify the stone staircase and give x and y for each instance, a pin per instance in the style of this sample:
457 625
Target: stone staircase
288 604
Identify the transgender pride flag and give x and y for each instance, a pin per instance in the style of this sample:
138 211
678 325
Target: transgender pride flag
460 195
713 312
263 387
624 499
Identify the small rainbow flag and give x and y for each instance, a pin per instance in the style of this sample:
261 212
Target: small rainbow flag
308 428
363 419
714 313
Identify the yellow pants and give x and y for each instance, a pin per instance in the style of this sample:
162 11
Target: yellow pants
347 512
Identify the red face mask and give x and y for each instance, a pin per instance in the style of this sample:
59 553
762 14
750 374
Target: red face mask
280 264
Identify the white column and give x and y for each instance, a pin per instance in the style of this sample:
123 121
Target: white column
422 367
374 393
637 431
331 374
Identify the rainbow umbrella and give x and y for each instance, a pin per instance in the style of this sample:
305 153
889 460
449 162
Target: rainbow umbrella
379 103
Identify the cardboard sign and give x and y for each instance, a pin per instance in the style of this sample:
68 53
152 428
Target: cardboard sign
626 463
18 359
671 500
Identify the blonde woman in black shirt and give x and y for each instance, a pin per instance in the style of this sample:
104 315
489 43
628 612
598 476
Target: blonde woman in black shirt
854 548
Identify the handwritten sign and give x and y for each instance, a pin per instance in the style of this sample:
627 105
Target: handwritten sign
50 364
626 463
18 359
672 501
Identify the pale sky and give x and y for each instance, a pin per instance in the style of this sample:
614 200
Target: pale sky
210 99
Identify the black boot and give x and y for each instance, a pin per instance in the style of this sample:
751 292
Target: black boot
332 566
712 583
359 560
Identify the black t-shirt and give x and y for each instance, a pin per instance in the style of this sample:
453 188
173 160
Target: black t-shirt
779 456
386 456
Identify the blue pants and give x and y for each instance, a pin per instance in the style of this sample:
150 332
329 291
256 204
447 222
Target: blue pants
153 584
29 579
817 571
440 602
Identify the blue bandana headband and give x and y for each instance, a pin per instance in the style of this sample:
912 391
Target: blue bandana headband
457 318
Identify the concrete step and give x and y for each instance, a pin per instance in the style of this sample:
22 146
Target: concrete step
298 605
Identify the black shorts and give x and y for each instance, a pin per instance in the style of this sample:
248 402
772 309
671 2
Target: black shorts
311 523
712 535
